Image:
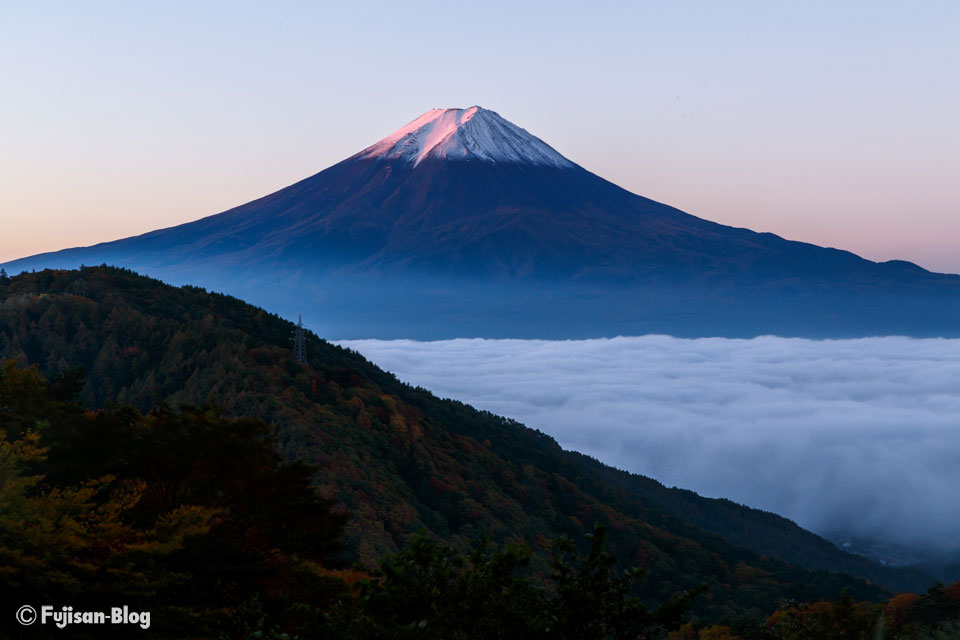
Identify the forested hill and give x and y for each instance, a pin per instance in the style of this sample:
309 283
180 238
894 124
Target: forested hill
399 459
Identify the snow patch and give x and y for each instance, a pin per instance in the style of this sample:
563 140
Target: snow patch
465 134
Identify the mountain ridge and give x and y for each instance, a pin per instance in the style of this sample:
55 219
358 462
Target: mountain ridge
397 457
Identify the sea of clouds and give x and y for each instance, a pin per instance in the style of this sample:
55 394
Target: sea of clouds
854 435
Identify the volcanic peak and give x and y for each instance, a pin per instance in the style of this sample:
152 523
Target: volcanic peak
464 134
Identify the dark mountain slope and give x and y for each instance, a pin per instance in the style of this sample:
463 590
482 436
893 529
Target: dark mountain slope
397 457
388 243
475 219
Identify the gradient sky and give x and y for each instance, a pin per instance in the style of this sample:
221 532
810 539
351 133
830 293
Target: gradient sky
833 123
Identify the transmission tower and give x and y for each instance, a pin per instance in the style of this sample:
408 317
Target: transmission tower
79 287
300 342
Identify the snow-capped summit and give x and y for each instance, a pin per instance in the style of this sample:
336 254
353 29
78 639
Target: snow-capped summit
465 134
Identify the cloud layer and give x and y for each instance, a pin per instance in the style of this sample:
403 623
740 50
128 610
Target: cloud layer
857 435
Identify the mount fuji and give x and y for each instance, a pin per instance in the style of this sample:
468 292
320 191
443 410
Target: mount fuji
463 224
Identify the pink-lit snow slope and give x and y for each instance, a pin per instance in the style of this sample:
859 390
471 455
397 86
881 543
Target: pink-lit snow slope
464 134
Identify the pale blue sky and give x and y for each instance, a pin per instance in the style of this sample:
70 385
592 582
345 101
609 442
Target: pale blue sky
831 122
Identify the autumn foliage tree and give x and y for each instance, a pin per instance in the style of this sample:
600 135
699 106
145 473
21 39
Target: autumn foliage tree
184 513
